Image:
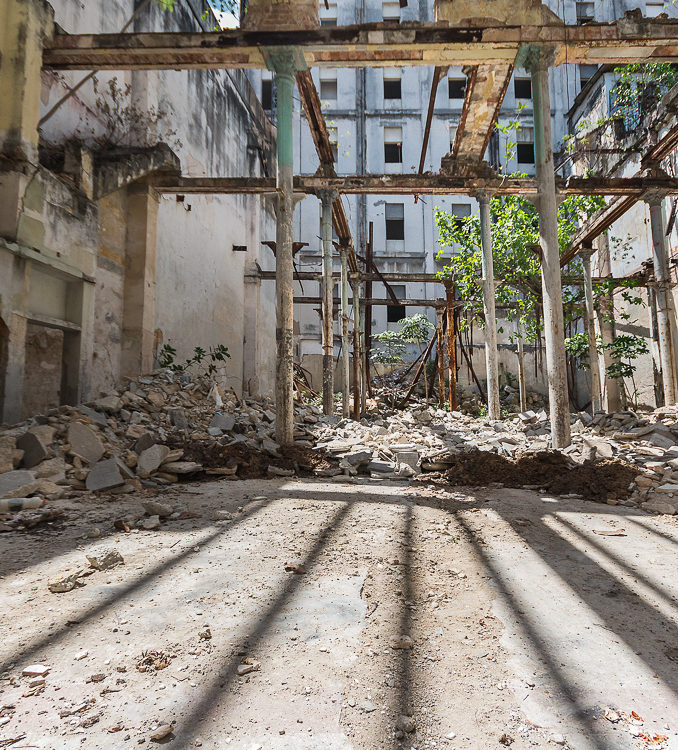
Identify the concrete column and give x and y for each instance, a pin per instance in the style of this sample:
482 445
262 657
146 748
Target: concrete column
491 359
24 25
554 327
327 297
14 373
138 320
521 374
357 377
345 354
606 329
663 297
284 62
596 392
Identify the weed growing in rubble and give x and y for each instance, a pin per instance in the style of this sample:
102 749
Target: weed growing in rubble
416 329
390 352
203 362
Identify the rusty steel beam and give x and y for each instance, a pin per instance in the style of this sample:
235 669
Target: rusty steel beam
438 73
412 184
383 44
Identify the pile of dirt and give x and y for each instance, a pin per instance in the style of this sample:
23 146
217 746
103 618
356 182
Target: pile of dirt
548 470
250 463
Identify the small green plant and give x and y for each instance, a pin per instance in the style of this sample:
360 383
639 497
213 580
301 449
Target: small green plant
207 361
416 330
625 349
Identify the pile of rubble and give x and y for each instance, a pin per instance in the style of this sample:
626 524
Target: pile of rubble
620 458
471 403
161 428
143 436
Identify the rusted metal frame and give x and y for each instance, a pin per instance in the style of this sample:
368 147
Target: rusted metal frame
411 184
663 148
438 74
440 314
366 45
371 301
355 293
598 223
417 374
380 277
451 345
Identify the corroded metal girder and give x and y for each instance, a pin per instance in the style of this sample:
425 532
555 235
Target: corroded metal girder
370 45
415 184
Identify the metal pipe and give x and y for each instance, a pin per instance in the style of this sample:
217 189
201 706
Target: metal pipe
451 347
606 327
345 354
326 200
596 393
440 346
552 293
284 390
661 272
491 358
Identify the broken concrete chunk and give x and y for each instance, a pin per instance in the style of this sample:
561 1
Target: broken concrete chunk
19 482
107 474
65 583
144 442
149 524
96 416
156 398
182 467
45 432
224 422
382 467
33 448
7 448
110 404
400 642
154 508
278 471
177 417
104 559
174 455
151 459
35 670
85 442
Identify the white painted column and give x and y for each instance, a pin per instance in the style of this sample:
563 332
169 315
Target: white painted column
596 391
554 326
327 298
491 358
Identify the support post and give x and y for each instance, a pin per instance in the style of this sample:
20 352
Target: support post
606 327
521 373
367 314
451 346
345 354
491 358
326 199
663 298
356 348
554 327
596 392
284 62
440 314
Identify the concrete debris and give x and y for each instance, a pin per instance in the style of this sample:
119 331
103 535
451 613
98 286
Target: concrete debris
163 731
85 442
106 475
64 584
151 459
17 483
104 559
33 448
35 670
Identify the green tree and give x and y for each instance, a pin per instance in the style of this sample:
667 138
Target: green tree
390 352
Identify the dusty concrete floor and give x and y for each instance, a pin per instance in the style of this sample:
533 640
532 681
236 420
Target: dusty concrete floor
527 626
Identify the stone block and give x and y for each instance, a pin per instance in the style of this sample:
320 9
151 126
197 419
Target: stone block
17 483
106 475
151 459
224 422
33 448
85 442
177 417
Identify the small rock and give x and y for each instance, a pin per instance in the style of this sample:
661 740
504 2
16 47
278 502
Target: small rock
110 404
17 483
81 655
151 459
405 723
149 524
104 559
107 474
278 471
177 417
222 422
154 508
67 583
182 467
164 730
35 670
400 641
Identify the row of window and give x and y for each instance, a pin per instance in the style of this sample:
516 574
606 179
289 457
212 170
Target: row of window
390 11
456 87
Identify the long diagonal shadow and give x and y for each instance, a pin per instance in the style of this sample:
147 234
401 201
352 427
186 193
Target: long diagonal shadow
617 560
653 530
582 717
108 601
215 695
610 604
